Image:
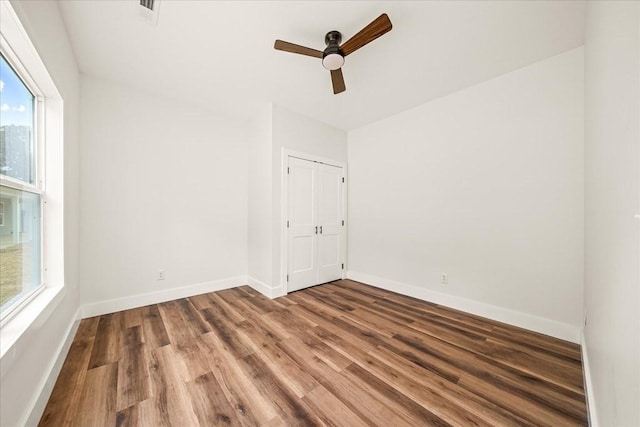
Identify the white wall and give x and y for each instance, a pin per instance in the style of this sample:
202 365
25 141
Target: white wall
612 197
30 368
164 187
485 185
302 134
260 189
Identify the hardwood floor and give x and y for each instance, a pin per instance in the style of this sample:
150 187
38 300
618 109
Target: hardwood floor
337 354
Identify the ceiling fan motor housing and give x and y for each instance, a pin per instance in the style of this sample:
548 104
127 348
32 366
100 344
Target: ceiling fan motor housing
333 38
332 57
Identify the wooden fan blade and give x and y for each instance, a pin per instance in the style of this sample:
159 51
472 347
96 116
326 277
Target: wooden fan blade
380 26
295 48
338 81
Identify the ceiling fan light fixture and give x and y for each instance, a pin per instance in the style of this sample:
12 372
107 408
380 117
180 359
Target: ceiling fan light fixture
333 61
335 52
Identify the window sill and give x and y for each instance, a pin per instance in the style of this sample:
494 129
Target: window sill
33 315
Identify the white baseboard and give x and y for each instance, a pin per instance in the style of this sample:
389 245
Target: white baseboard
40 399
588 385
516 318
265 289
140 300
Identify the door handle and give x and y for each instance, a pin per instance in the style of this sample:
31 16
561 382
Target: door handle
316 229
320 229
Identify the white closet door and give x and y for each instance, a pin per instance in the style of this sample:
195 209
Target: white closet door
302 237
315 237
330 217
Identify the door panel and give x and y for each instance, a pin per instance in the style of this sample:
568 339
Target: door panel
330 206
303 202
303 254
330 216
329 251
302 238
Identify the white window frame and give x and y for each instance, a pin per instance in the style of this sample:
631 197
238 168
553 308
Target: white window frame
20 52
38 187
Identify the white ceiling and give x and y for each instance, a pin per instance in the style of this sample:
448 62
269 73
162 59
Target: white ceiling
219 54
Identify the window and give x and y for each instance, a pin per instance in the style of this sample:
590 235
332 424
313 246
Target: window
32 200
21 189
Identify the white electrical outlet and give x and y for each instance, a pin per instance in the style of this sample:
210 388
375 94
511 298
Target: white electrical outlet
160 275
444 278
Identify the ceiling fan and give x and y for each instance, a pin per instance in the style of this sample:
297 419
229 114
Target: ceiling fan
334 54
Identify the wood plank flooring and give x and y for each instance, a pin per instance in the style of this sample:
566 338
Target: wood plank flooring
342 354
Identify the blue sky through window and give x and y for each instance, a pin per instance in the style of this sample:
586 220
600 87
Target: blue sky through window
16 101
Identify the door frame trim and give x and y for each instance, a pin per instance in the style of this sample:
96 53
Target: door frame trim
284 197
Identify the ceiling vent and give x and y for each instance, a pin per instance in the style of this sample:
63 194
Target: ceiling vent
148 10
147 3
